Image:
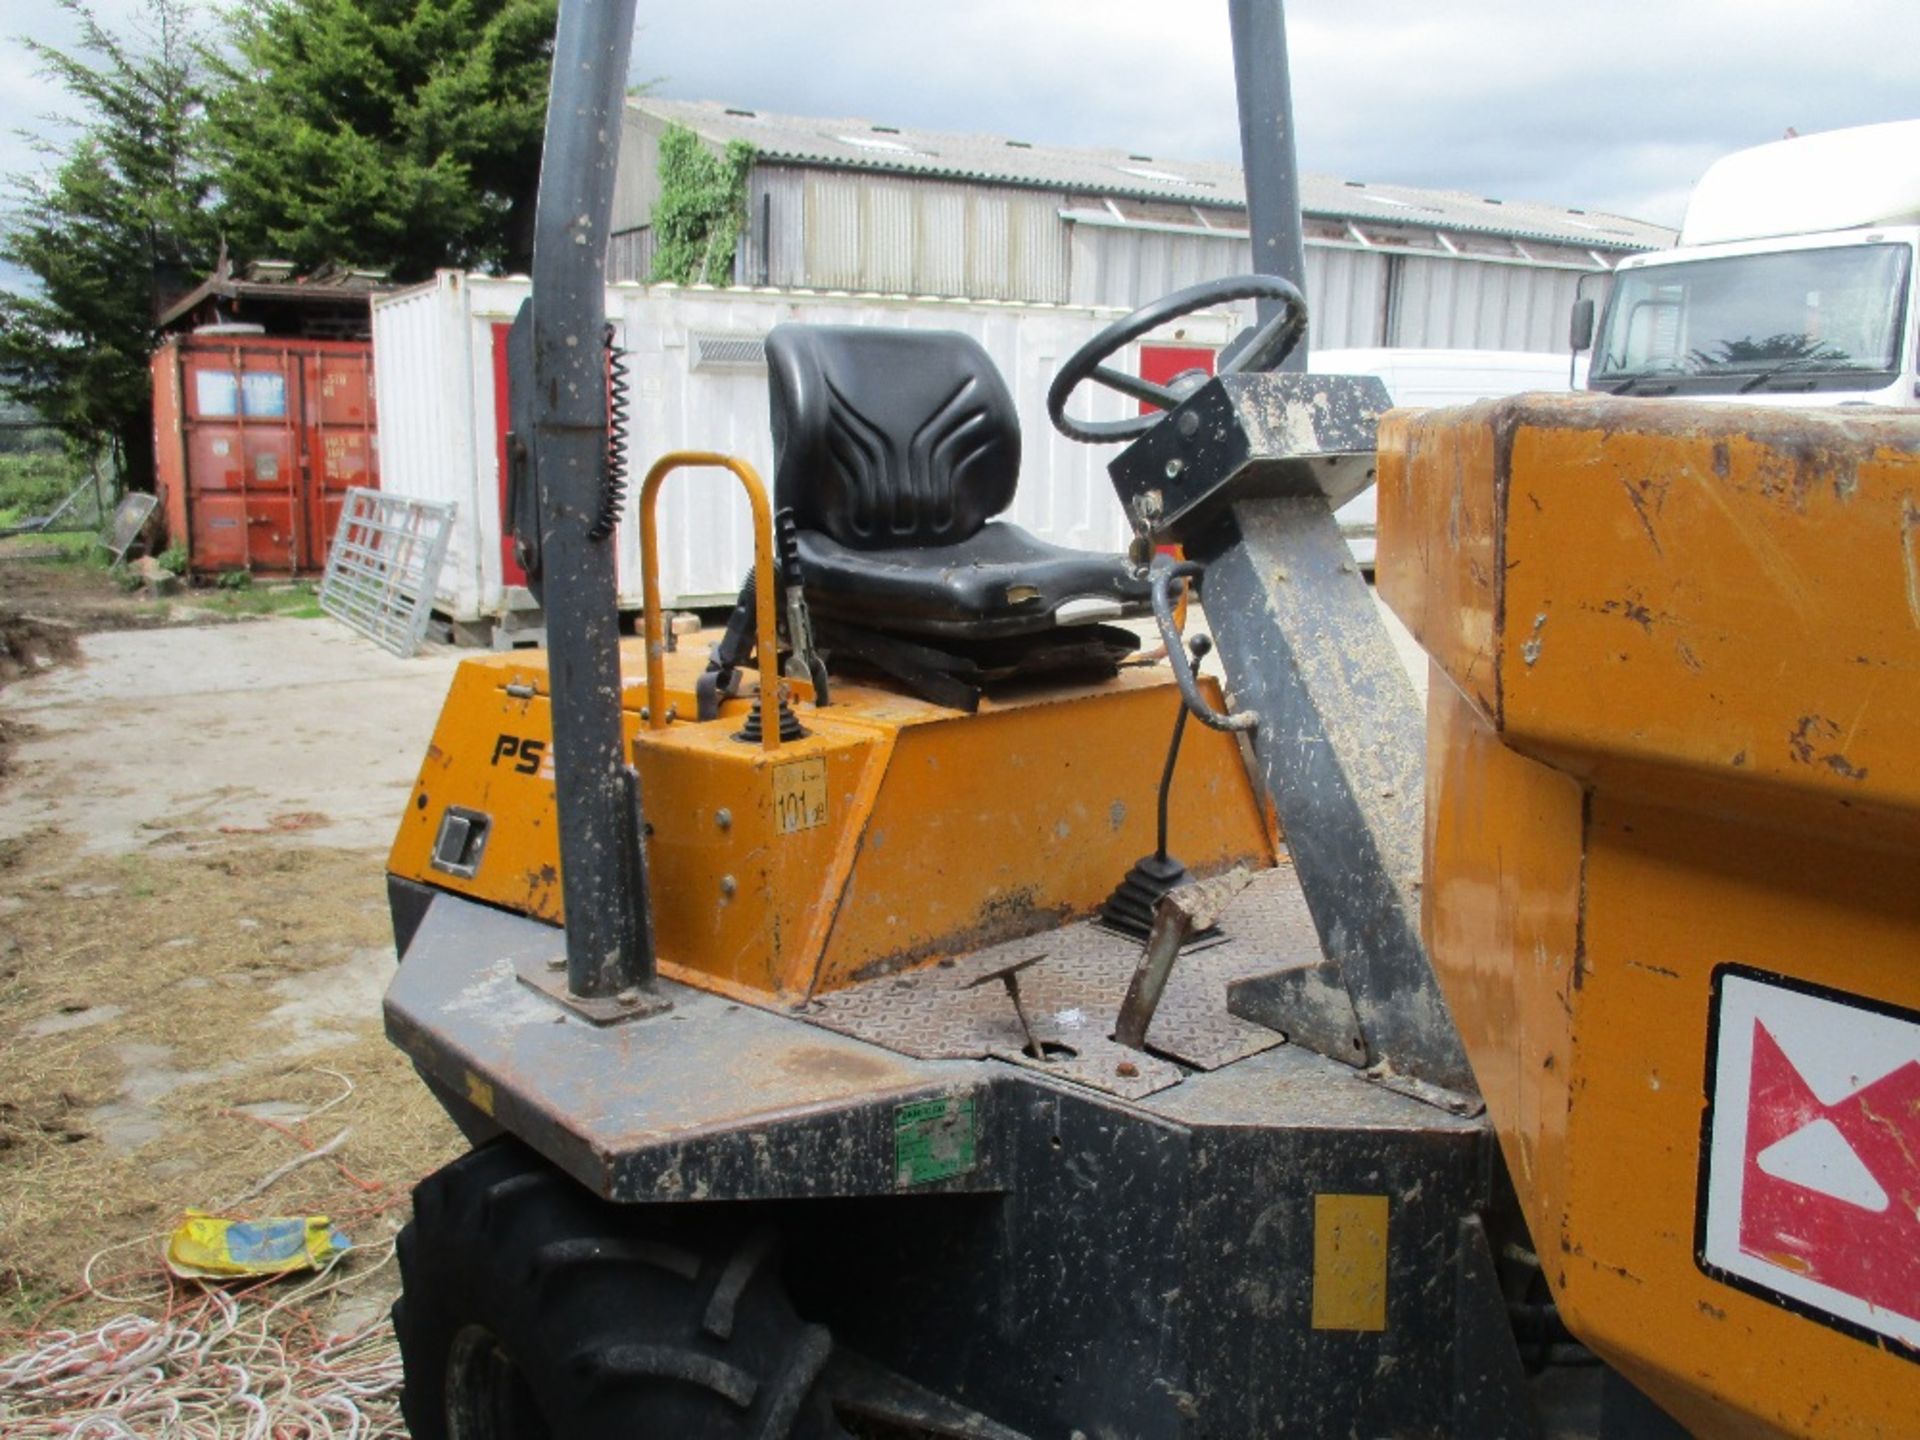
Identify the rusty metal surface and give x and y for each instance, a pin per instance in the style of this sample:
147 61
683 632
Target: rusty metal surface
1780 662
1340 748
636 1002
1248 437
1172 1237
1073 998
258 440
709 1100
1642 617
1182 910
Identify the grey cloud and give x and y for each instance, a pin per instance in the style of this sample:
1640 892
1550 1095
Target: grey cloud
1616 105
1612 106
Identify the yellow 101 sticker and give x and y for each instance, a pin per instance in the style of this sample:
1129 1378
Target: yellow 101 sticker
799 795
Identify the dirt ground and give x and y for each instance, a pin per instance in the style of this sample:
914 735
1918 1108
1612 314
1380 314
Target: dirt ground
193 944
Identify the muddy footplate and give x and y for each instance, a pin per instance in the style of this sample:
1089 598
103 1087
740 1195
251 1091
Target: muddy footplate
1073 998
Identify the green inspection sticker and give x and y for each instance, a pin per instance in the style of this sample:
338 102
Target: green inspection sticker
932 1140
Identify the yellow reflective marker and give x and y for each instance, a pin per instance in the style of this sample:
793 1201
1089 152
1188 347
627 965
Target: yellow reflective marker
480 1092
1349 1262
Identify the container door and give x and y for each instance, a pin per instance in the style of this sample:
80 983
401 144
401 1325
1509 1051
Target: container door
241 458
269 411
342 447
511 572
1160 363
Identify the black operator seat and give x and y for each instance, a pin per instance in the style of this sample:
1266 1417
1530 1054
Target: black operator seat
894 449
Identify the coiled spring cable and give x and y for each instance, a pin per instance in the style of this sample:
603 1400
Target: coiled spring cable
613 498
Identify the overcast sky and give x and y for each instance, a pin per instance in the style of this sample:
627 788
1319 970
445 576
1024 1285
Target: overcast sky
1607 104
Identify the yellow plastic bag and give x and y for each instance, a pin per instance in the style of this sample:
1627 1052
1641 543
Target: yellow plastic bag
207 1247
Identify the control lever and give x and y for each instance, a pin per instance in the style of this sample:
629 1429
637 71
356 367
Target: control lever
1131 908
799 620
1161 575
1182 913
721 679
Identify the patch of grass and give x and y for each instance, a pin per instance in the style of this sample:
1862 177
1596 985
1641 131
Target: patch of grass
297 600
68 548
137 876
35 482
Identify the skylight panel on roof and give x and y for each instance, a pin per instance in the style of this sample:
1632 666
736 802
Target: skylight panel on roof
1165 176
867 142
1374 197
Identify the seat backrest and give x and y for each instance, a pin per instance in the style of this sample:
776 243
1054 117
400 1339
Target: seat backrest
889 438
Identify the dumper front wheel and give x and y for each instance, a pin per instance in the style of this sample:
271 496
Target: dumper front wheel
532 1310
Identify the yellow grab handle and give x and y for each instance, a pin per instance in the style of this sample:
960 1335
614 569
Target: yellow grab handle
766 641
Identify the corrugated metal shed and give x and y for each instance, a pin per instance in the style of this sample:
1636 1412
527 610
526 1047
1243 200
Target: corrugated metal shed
862 145
850 205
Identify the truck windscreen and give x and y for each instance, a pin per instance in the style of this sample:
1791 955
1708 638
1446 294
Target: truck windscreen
1827 318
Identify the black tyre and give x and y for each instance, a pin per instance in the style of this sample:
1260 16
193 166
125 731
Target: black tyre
532 1310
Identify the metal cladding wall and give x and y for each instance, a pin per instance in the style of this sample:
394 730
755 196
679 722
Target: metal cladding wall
698 382
847 230
1346 286
1356 296
1440 303
257 439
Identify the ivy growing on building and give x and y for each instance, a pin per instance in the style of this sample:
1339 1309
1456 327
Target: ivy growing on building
701 209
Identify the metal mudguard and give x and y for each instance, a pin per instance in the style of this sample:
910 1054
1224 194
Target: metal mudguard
712 1100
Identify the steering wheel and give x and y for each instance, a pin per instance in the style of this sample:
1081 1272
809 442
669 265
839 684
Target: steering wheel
1265 349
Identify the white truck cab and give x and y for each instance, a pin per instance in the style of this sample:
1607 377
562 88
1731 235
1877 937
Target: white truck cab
1793 283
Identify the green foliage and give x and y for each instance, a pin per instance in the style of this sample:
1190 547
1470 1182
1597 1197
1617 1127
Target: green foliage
234 580
701 209
400 135
33 440
119 219
174 558
34 484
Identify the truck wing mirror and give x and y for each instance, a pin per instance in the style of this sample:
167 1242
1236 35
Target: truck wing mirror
1580 326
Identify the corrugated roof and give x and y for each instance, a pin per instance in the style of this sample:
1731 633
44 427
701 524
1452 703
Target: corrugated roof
865 145
276 281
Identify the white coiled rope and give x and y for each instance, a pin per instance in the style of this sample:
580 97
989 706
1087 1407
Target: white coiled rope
216 1367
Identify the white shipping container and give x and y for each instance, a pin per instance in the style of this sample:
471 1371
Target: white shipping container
698 381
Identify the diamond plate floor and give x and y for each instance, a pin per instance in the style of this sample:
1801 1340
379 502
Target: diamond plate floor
1073 998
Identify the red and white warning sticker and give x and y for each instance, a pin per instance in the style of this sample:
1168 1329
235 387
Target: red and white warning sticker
1810 1195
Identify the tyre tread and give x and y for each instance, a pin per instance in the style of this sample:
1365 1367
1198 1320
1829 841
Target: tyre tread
627 1323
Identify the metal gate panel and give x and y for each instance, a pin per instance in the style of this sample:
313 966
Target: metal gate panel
383 566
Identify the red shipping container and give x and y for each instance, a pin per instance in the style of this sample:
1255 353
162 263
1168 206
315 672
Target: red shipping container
257 439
